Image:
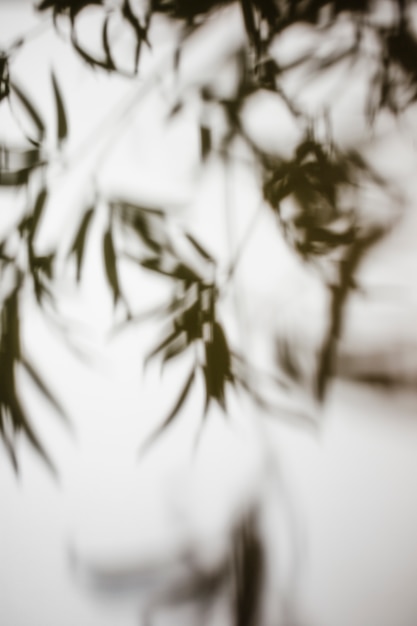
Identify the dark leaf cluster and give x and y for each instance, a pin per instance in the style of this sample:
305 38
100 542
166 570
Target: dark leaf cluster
315 179
14 418
73 8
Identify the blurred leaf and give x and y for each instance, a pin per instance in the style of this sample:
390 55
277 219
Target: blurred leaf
4 76
37 213
61 116
172 414
73 7
217 368
172 337
248 572
206 255
78 245
30 108
205 141
43 388
110 263
248 18
106 45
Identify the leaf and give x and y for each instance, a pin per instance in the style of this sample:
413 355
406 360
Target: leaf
175 348
250 22
19 417
206 255
163 344
111 265
37 212
248 572
4 76
43 388
78 245
205 142
30 109
62 124
172 414
106 45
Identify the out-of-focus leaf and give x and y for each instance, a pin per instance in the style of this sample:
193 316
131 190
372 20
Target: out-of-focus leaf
106 45
163 344
248 572
172 414
40 384
250 26
110 263
147 223
6 437
338 296
30 108
176 347
78 245
61 116
20 418
37 212
10 357
4 76
73 7
140 31
217 369
206 255
205 142
178 271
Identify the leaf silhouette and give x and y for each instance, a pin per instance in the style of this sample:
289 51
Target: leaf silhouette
37 213
205 141
172 414
106 45
61 116
4 76
110 264
30 108
78 245
40 384
206 255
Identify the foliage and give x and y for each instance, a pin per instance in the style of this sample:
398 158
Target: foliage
315 179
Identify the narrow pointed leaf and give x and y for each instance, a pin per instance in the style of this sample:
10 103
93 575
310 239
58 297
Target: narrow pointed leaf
206 255
111 265
30 109
37 212
106 45
78 245
172 414
61 116
205 142
163 344
43 388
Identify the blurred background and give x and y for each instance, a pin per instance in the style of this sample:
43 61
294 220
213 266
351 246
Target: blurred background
335 488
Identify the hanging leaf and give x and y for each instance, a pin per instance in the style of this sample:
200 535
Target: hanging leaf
106 45
205 142
37 213
30 109
110 264
61 116
78 245
4 76
172 414
206 255
40 384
